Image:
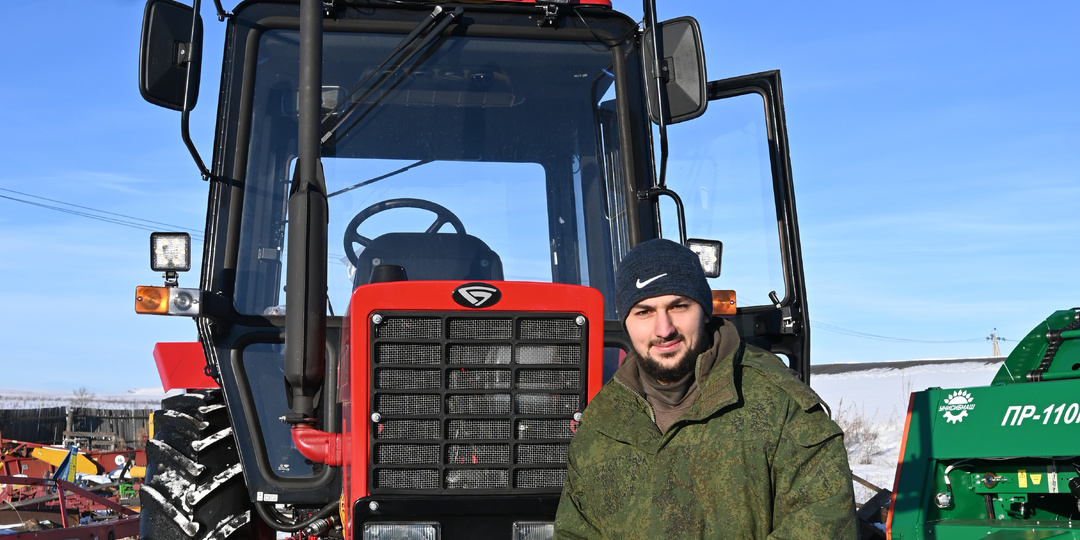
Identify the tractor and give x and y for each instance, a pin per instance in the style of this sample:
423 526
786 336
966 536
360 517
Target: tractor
415 213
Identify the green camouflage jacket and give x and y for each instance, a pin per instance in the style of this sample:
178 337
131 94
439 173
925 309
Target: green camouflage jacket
756 456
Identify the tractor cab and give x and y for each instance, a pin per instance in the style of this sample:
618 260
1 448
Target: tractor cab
416 213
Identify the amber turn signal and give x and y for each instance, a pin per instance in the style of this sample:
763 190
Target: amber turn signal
151 300
723 303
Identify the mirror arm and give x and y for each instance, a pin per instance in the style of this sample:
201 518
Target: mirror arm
186 135
221 13
653 194
185 132
649 8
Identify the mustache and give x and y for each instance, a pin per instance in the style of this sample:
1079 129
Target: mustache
663 341
658 341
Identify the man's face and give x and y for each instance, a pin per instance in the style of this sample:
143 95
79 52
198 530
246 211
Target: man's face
668 333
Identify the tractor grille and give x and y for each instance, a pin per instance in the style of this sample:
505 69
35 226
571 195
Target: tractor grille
475 403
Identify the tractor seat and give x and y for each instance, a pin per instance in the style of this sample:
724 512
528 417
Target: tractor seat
431 256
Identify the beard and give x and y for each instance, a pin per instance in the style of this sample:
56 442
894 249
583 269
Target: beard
683 366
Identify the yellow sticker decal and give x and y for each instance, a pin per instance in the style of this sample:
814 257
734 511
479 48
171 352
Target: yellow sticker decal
1036 478
1021 478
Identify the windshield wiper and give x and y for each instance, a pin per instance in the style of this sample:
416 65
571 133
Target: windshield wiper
407 54
381 177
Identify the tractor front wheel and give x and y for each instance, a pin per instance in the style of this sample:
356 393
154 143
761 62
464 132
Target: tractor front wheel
194 487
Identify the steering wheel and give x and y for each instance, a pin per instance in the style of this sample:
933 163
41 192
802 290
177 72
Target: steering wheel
353 236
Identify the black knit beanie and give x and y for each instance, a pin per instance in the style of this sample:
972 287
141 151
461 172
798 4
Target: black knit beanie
656 268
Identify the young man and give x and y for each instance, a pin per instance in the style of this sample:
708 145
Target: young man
699 435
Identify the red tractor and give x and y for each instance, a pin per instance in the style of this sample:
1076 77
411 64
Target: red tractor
415 215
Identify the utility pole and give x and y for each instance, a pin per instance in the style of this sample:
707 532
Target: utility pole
994 338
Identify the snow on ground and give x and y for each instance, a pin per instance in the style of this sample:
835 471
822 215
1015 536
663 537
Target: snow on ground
139 398
870 402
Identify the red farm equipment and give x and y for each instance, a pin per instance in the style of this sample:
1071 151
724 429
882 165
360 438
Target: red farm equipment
49 492
415 214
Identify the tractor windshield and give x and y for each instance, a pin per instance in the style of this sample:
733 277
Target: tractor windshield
480 158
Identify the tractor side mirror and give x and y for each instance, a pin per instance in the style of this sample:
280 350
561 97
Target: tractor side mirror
170 55
682 61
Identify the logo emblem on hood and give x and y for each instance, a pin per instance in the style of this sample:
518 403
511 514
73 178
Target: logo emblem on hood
477 295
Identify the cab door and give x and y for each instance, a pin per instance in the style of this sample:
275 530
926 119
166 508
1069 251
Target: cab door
732 171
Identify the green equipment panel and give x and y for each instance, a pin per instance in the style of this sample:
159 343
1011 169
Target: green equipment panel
998 462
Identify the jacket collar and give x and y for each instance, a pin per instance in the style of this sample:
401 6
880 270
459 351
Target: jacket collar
628 417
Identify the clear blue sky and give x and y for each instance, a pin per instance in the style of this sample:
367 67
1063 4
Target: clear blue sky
935 149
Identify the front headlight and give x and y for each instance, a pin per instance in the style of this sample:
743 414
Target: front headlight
401 531
534 530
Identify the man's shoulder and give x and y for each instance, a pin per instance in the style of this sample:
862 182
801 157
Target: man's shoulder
766 371
766 375
613 400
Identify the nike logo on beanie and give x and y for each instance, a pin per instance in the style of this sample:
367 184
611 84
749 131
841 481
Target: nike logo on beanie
641 284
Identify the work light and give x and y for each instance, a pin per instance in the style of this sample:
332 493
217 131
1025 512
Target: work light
708 252
170 252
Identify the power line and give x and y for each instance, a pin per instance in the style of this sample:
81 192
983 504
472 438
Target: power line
864 335
100 215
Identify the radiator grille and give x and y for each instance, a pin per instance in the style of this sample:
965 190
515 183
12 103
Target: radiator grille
405 404
561 404
565 329
548 354
416 353
410 454
480 354
474 402
540 478
542 453
407 478
408 379
479 404
548 379
480 453
409 328
479 379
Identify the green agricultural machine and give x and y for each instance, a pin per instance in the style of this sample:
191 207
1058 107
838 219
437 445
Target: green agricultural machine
1000 462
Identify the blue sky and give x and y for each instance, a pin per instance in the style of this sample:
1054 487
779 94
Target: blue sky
935 149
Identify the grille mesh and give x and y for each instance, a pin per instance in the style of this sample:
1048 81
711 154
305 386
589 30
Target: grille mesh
542 453
480 354
479 404
534 379
477 478
479 379
539 478
409 353
407 478
474 402
478 429
408 454
547 403
408 429
407 404
408 379
544 429
562 329
549 354
479 453
409 328
467 329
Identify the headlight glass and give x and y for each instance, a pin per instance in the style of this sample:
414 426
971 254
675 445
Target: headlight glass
534 530
401 531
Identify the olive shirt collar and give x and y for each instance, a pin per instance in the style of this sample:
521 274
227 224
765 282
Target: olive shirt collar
627 416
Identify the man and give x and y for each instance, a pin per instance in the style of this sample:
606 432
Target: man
699 435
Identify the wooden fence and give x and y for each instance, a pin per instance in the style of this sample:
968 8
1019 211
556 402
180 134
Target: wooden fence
129 427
